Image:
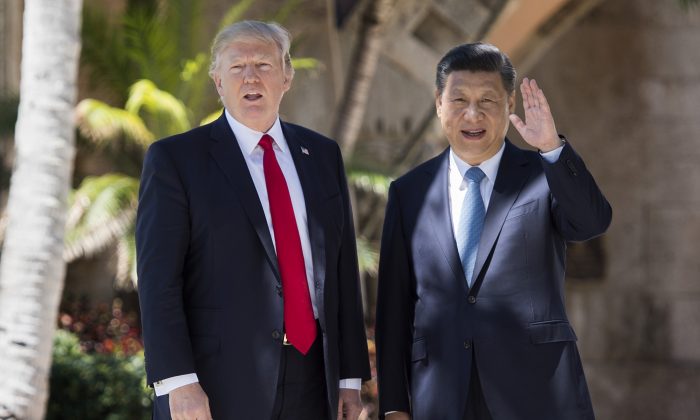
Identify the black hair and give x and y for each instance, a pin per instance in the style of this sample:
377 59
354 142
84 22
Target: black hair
478 56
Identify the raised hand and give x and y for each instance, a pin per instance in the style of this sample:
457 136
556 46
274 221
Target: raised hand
538 130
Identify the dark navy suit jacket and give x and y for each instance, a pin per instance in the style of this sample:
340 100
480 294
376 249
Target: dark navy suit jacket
431 326
209 285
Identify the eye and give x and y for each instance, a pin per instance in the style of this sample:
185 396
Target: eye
459 100
236 68
264 66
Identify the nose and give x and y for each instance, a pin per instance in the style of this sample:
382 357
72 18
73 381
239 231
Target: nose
249 74
472 112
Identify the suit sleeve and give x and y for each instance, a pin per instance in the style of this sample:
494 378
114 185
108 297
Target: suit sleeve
354 358
579 209
162 238
394 313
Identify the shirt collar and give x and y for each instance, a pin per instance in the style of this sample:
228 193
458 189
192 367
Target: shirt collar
248 138
489 166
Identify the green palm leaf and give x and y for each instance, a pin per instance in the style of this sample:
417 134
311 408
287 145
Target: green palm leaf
126 277
166 112
102 124
101 210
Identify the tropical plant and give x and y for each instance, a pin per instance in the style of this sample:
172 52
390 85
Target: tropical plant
31 265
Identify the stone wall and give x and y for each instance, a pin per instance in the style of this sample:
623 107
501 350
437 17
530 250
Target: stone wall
624 85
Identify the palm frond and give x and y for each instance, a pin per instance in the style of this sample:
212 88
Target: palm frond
196 86
126 277
167 113
367 256
104 53
102 124
101 210
149 46
235 13
370 182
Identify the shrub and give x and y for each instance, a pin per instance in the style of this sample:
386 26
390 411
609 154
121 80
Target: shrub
96 386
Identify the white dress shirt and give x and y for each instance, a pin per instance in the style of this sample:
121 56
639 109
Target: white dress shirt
457 184
248 140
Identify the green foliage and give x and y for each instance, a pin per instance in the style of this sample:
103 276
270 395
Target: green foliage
102 212
96 386
103 124
164 113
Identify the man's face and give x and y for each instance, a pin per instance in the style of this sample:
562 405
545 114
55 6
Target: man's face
473 110
251 81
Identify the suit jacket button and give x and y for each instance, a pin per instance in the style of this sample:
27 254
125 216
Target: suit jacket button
279 290
467 344
471 299
276 335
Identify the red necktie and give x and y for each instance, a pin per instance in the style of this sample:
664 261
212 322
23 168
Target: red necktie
299 322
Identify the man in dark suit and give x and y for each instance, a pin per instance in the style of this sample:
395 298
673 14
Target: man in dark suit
471 322
248 276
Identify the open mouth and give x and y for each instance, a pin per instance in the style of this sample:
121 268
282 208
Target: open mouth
473 134
252 96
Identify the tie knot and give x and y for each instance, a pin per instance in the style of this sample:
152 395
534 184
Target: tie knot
266 142
475 174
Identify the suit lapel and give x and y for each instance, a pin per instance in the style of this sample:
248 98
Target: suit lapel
513 172
228 156
306 166
438 209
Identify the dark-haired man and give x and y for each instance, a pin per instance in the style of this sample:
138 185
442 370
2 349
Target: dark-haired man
471 322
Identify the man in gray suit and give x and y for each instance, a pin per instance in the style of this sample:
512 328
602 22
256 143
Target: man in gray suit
471 322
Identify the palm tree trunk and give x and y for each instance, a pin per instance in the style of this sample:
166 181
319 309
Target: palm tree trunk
363 66
31 267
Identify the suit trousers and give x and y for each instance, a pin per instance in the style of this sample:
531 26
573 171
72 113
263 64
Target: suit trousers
301 388
476 404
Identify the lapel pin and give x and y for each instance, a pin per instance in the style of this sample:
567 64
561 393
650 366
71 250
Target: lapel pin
304 150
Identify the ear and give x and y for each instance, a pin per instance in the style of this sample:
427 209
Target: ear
511 102
217 83
288 81
438 102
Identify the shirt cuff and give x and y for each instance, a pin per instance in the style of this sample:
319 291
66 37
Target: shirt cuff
553 155
351 383
164 386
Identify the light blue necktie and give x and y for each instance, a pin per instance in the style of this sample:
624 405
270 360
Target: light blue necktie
471 222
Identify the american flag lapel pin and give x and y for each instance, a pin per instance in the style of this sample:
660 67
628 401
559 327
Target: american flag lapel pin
304 150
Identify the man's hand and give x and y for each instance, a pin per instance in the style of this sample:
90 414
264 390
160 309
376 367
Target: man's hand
349 404
398 415
189 402
538 130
